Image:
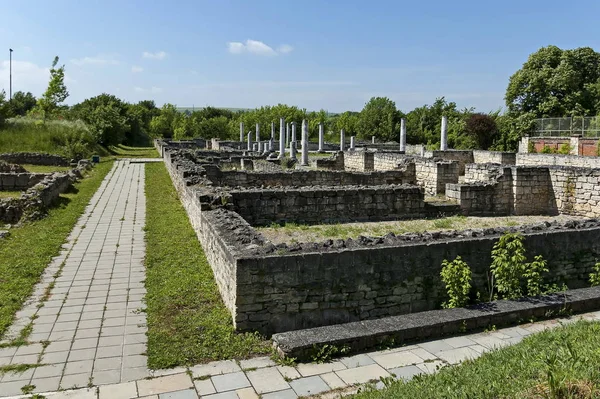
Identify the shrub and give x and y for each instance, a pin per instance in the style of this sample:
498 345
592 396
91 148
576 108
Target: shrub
565 149
456 275
547 150
531 147
595 276
533 275
508 259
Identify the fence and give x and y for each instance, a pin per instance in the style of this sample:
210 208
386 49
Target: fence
569 126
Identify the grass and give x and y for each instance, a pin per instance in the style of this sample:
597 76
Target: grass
51 137
10 194
45 168
560 363
29 249
122 150
187 320
306 233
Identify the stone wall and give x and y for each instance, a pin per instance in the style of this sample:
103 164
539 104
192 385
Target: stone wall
557 160
576 191
34 158
362 161
334 162
19 181
433 175
306 178
291 291
389 160
463 157
502 158
311 205
532 191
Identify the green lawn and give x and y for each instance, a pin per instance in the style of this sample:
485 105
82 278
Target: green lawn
560 363
45 168
29 249
187 320
10 194
123 151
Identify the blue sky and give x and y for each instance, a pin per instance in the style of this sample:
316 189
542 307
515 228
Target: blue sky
315 54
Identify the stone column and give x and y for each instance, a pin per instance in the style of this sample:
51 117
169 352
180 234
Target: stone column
272 130
304 161
287 134
293 135
293 150
372 139
342 139
444 138
257 132
281 138
242 131
403 134
249 141
271 145
321 136
351 143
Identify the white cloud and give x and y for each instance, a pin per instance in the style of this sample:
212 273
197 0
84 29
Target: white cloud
285 48
137 69
26 76
159 55
97 60
256 47
153 90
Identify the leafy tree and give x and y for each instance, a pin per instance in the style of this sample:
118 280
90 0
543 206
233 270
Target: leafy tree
109 118
3 108
21 104
482 129
56 92
555 82
381 119
162 125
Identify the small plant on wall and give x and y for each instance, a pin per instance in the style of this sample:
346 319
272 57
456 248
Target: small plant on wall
456 275
595 276
508 263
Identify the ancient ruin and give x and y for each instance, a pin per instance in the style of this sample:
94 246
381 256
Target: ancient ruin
229 190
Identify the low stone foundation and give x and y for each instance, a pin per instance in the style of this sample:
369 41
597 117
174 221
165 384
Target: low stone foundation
34 158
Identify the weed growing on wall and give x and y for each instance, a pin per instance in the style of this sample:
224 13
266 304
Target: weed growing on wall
508 263
533 274
595 276
456 275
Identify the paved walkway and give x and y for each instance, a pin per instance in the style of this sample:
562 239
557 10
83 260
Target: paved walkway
89 330
90 333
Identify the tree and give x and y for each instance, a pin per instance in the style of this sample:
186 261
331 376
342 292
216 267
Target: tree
555 83
3 107
162 125
56 92
482 129
21 103
381 119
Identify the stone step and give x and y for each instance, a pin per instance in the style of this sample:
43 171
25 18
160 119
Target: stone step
397 330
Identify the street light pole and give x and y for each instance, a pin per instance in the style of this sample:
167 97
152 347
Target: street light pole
10 74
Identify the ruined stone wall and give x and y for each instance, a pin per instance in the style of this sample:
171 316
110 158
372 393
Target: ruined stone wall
307 289
532 191
463 157
307 178
361 161
34 158
311 205
335 162
558 160
576 191
389 160
502 158
19 181
433 175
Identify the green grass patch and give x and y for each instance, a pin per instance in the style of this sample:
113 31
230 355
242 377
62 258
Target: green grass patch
29 249
10 194
187 320
124 151
560 363
46 168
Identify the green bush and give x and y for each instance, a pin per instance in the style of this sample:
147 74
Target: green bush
456 275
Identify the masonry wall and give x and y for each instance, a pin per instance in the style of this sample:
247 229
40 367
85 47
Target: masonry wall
433 175
34 158
576 191
362 161
19 181
557 160
463 157
389 160
329 204
307 178
293 291
497 157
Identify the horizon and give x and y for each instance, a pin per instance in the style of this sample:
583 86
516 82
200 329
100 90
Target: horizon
244 56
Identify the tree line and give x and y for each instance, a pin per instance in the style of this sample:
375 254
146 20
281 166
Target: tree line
552 82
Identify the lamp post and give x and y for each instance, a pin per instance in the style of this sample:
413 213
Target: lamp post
10 74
